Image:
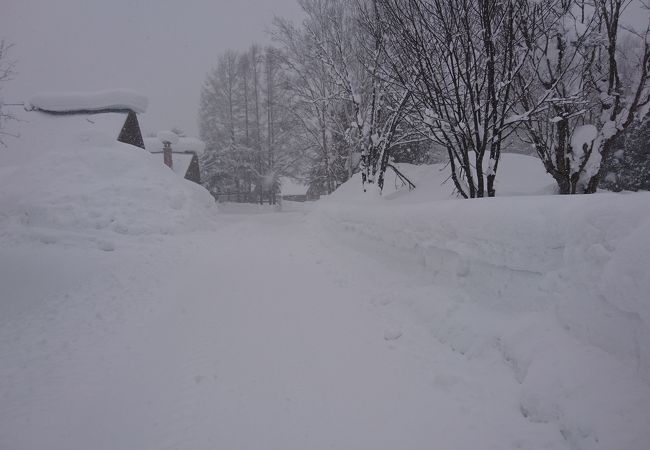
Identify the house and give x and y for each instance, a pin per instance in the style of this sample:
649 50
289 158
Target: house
114 112
181 154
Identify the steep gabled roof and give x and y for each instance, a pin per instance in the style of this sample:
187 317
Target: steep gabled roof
185 154
94 108
130 133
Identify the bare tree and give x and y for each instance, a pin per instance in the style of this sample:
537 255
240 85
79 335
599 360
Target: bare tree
381 101
255 62
359 78
355 55
551 87
461 58
218 125
575 97
341 45
7 66
244 120
314 94
619 106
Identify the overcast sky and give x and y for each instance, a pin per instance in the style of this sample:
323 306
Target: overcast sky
162 48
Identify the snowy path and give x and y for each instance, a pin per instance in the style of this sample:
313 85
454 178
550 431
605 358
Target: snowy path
258 335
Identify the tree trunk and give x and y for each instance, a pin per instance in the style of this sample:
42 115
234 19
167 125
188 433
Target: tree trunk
258 125
269 107
490 185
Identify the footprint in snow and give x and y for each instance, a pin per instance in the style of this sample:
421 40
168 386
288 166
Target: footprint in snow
392 335
106 246
382 300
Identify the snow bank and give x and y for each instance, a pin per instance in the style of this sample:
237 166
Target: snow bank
518 175
556 288
88 101
67 180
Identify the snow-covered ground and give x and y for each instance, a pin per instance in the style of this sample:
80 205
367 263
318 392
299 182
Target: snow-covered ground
555 288
133 314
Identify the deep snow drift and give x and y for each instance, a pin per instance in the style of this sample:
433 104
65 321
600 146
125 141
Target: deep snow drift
554 287
68 178
134 316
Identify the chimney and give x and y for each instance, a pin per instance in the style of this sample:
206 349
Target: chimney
167 154
168 138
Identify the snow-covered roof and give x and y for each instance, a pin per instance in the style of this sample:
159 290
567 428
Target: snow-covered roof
70 102
181 162
41 130
190 144
181 158
153 144
68 176
184 144
168 136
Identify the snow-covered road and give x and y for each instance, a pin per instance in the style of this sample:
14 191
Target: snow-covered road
257 335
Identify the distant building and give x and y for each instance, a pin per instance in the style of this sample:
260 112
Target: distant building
114 114
181 154
114 111
294 191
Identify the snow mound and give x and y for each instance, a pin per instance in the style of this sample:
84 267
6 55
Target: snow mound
67 179
518 175
553 287
88 101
